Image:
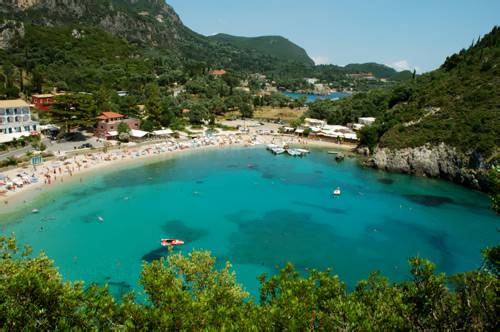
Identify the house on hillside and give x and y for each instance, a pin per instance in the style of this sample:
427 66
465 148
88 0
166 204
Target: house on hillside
42 102
16 120
108 122
217 72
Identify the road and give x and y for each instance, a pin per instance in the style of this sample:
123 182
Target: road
54 147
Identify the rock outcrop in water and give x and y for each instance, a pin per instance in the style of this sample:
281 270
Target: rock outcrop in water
434 161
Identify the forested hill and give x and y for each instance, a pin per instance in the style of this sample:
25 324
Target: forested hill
458 104
445 123
150 25
378 70
271 45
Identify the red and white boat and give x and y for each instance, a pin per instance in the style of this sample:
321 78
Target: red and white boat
171 242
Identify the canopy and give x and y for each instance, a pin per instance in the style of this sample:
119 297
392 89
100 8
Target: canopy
138 133
5 138
112 133
163 132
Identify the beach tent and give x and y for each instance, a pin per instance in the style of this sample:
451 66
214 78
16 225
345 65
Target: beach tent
163 132
138 133
112 133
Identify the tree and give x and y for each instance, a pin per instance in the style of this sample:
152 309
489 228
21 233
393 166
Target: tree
37 80
72 110
190 293
198 114
231 80
246 110
153 107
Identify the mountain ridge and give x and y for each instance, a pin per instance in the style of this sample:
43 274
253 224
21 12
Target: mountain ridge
273 45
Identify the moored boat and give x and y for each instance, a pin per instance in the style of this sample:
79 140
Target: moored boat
278 150
337 192
171 242
293 152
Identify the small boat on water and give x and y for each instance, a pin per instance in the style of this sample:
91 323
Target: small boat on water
35 211
303 151
171 242
332 152
294 152
278 150
270 147
337 192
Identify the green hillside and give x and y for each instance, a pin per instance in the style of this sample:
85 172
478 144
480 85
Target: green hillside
276 46
378 70
458 104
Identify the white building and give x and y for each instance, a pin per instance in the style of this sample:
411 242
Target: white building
309 122
366 121
15 120
336 131
312 80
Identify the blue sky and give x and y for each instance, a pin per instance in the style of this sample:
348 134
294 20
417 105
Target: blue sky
405 34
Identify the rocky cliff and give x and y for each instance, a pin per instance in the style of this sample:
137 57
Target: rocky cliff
434 161
9 31
149 22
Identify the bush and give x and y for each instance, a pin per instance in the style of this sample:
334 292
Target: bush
189 293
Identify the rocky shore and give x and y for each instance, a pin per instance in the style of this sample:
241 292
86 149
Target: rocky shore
441 161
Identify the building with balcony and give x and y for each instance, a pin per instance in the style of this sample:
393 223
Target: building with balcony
15 120
108 122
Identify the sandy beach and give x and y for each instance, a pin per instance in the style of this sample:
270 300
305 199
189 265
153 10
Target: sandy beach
23 185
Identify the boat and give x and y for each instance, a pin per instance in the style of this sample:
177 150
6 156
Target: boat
270 147
278 150
35 211
293 152
332 152
171 242
337 192
303 151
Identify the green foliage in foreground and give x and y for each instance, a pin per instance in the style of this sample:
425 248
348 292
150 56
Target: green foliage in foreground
189 293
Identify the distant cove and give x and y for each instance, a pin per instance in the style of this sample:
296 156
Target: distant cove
312 97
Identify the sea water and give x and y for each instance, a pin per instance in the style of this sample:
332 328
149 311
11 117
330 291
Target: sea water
312 97
258 211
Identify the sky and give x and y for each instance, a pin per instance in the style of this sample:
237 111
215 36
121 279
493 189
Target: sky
405 34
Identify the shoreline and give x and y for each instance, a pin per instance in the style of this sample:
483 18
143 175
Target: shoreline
54 174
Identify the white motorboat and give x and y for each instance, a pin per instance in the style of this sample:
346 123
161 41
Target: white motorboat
303 151
270 147
337 192
293 152
278 150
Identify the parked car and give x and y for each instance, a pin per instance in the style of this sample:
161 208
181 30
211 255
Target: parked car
86 146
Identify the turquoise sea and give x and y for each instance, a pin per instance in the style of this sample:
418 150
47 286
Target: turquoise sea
312 98
258 211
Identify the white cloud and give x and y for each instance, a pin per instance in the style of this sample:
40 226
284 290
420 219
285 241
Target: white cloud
404 65
321 60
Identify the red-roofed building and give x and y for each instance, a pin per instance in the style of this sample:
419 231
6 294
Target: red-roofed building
108 122
42 102
218 72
